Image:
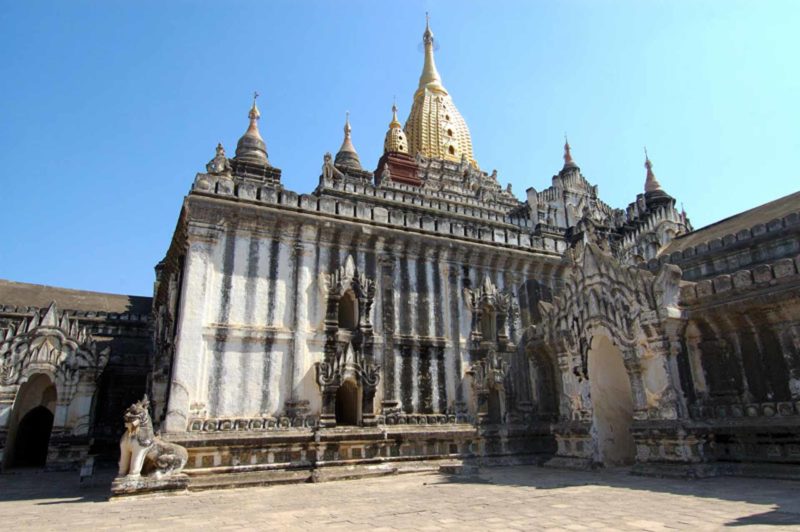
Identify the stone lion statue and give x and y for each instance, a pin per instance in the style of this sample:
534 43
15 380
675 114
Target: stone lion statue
142 452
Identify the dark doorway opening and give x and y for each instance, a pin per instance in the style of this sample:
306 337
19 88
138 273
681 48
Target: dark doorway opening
489 325
348 311
347 404
495 409
33 438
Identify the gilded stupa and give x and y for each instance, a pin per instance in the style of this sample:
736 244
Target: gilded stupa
435 128
395 140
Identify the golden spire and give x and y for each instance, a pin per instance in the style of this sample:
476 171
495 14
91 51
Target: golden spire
251 147
435 128
568 161
395 138
651 184
254 116
347 155
430 78
395 122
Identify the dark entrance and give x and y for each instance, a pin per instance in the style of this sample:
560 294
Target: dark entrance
347 404
495 409
33 437
348 311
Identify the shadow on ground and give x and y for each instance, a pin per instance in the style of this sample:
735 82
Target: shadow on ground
51 488
783 495
54 487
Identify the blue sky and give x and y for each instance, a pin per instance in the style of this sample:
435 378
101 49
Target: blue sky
109 108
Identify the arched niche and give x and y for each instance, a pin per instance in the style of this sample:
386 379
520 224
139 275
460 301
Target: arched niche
348 351
545 383
348 311
495 407
612 403
488 324
31 423
348 404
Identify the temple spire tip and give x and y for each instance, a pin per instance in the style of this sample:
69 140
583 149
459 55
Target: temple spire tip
254 113
568 161
651 184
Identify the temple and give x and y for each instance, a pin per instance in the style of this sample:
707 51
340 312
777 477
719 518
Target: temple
421 312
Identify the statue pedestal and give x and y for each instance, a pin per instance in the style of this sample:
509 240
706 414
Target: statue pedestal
123 486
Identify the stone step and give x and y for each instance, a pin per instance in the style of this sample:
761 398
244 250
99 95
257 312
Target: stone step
425 466
277 477
248 479
459 469
327 474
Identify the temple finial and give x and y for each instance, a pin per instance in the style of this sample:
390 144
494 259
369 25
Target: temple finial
347 128
651 184
568 161
427 37
430 78
254 114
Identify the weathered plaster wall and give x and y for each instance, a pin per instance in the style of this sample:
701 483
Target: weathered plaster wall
253 311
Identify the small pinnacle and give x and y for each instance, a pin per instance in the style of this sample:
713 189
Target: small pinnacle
254 114
651 184
568 161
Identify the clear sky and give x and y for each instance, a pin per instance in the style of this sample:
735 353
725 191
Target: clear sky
109 108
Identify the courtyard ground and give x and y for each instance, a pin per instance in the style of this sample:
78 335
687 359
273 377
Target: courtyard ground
518 498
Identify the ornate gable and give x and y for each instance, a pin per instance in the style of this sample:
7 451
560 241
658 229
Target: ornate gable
53 343
600 291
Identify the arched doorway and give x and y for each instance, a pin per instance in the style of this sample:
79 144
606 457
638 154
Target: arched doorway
31 423
33 437
612 403
348 404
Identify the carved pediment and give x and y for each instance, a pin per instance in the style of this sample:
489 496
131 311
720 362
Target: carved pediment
600 291
487 294
345 278
53 342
